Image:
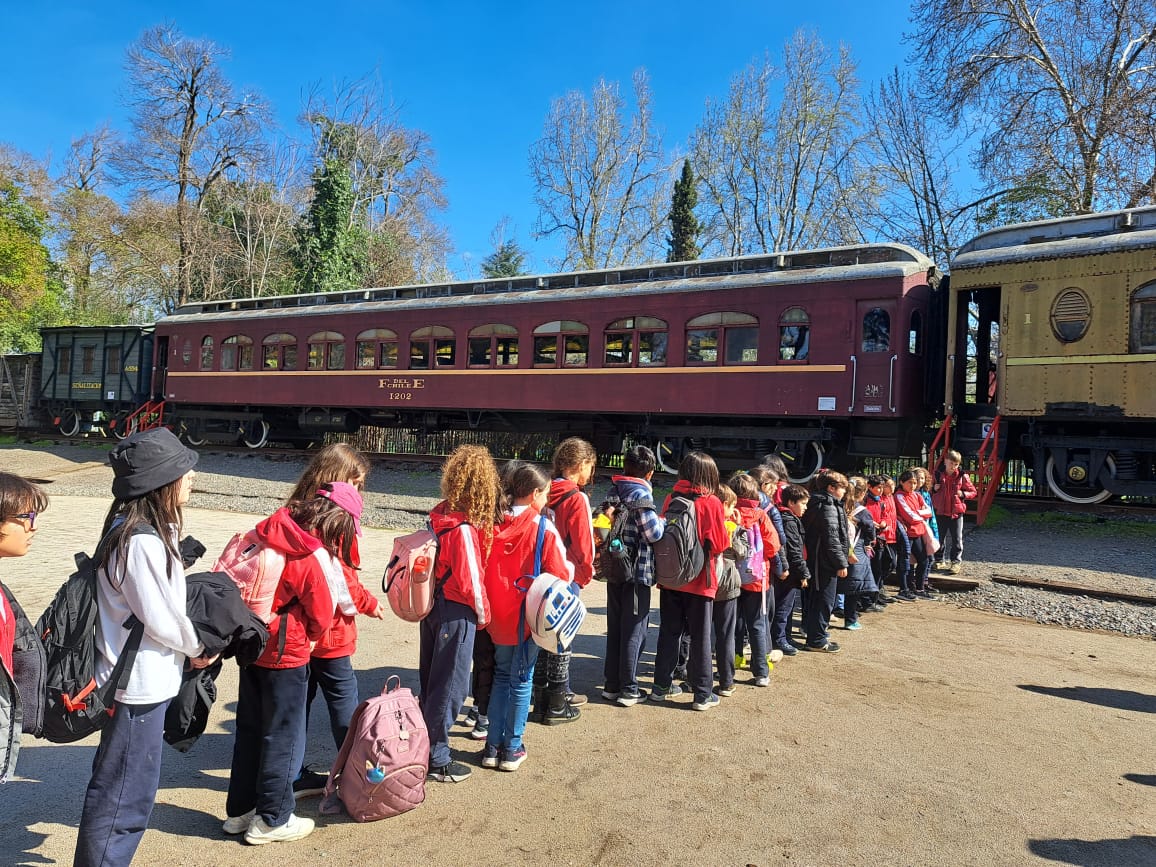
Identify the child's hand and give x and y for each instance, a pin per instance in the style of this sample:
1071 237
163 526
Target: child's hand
805 583
378 612
786 574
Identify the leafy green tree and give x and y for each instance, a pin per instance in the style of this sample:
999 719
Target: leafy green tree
30 293
685 227
507 260
334 242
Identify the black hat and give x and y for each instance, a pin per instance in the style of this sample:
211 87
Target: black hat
148 460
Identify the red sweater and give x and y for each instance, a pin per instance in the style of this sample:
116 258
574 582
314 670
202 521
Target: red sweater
512 557
303 580
572 517
712 532
340 639
461 554
751 515
7 632
882 511
913 512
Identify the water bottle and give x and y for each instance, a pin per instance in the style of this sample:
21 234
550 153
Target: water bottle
421 566
615 545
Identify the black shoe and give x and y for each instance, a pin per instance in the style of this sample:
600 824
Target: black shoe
454 772
788 649
309 783
906 596
838 612
567 713
829 647
679 675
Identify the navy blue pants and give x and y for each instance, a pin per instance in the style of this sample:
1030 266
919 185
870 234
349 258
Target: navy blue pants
694 614
447 648
820 604
785 594
125 775
919 572
902 550
755 624
723 615
270 743
482 680
627 617
337 682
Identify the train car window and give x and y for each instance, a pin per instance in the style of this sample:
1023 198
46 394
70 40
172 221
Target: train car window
876 330
794 334
326 351
730 338
426 349
493 346
187 353
279 352
915 334
1071 314
88 359
64 360
377 348
112 360
574 338
641 337
207 353
1143 336
237 353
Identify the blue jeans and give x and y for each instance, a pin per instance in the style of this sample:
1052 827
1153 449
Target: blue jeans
270 743
510 697
125 775
447 648
338 684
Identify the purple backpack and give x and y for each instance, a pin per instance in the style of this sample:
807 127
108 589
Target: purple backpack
381 768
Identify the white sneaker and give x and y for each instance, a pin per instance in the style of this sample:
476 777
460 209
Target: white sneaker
774 656
296 828
238 824
762 681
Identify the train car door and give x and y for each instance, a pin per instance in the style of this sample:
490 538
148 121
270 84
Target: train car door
874 359
160 367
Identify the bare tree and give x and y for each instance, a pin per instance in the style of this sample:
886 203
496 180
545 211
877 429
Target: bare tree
1067 90
600 178
790 174
190 129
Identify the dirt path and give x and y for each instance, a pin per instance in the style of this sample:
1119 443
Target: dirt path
939 736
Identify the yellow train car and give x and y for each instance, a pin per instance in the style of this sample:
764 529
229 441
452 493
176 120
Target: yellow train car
1052 331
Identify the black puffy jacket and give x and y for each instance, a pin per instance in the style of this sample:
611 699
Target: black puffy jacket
825 529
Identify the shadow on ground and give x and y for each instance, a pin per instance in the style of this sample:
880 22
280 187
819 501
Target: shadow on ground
1138 850
1120 699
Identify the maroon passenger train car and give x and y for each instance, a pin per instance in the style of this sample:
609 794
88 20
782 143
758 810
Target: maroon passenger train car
803 353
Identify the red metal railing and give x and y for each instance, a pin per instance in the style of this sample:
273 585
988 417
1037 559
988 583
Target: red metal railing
940 445
145 417
989 471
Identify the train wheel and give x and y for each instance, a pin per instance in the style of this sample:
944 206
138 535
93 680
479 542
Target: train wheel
1066 483
69 424
667 454
256 434
194 440
123 426
808 462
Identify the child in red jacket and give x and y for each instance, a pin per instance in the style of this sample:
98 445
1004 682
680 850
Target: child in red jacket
756 604
331 662
690 607
317 537
949 496
574 461
464 522
515 543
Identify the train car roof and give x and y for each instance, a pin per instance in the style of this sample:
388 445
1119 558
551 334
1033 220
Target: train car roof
1084 235
60 328
805 266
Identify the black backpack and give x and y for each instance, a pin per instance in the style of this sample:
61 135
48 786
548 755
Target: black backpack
678 555
73 706
618 555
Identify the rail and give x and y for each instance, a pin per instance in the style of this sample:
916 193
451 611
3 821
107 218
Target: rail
989 472
147 416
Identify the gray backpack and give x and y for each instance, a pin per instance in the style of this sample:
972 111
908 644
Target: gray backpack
678 556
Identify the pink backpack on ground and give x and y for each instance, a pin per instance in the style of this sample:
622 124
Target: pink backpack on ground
381 768
409 581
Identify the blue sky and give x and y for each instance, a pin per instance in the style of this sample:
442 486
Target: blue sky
477 77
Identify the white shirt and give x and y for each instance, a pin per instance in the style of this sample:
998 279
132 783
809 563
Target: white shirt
159 602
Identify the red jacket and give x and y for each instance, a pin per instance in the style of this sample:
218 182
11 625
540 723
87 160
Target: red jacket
461 555
913 512
751 515
882 511
712 532
572 517
512 557
340 639
7 632
303 580
951 493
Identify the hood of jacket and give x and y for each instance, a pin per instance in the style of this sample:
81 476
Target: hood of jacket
558 489
280 531
442 519
683 487
750 511
631 488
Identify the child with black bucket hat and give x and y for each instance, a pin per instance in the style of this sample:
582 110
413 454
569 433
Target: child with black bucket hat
140 578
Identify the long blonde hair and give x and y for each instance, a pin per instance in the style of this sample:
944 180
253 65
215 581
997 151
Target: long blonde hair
470 484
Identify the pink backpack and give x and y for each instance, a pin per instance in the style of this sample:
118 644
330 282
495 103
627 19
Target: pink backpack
381 768
409 581
256 570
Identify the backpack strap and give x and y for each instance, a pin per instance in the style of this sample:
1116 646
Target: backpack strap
525 645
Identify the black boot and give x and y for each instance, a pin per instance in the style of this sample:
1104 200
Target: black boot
559 710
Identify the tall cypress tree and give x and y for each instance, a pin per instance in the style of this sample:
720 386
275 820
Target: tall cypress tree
334 247
685 227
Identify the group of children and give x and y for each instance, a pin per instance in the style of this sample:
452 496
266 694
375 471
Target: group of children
767 546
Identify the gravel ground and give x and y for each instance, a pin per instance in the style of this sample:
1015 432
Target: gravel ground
1053 546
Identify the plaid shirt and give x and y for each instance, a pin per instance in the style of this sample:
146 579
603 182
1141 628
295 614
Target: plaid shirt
646 528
